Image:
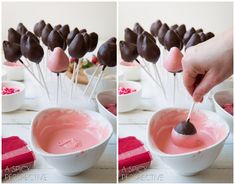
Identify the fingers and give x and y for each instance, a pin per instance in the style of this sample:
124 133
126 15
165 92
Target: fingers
189 78
206 84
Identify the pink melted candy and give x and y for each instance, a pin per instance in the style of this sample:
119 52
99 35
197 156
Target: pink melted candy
60 131
228 108
129 63
124 90
13 64
208 132
9 90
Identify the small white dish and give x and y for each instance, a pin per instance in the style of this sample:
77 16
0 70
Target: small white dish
12 102
131 71
104 98
4 75
72 163
221 98
15 71
186 164
128 102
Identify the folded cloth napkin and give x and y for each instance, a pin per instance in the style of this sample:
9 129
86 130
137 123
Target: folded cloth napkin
16 156
132 156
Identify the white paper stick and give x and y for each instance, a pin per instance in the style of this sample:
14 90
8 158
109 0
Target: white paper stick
96 84
77 73
43 80
191 110
159 78
72 80
90 81
57 89
174 88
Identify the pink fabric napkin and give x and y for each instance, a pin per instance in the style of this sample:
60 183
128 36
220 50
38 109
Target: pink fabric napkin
16 156
132 156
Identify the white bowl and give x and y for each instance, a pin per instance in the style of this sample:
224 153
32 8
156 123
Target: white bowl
104 98
107 82
219 99
71 163
12 102
129 102
14 72
131 72
191 163
4 75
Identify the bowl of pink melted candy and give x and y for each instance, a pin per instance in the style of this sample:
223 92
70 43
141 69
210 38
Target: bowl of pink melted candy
70 140
12 95
212 131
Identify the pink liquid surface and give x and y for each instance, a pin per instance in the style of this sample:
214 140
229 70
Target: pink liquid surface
208 132
60 131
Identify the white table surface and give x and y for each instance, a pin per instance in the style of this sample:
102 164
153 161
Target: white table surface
17 123
134 123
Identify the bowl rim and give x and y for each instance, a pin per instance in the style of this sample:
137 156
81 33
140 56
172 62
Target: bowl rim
19 83
157 151
218 105
131 82
46 154
98 101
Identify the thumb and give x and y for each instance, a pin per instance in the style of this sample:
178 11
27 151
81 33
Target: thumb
205 85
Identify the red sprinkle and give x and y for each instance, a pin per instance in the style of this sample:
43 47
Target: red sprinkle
123 90
228 107
9 90
112 108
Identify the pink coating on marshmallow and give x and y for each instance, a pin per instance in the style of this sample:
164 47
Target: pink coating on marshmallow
58 61
173 62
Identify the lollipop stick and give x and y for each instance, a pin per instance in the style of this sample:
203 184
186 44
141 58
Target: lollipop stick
30 72
159 78
72 79
44 82
97 82
147 72
60 86
77 73
190 111
174 88
92 77
57 89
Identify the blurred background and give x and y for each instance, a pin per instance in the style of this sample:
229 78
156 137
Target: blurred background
90 15
211 16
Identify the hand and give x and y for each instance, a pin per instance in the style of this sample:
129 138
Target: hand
208 64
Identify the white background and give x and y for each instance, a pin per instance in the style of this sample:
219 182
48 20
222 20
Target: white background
210 16
99 17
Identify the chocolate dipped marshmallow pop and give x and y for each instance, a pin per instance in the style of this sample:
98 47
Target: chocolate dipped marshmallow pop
107 56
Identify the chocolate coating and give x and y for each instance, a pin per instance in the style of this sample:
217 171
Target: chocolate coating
185 128
202 36
57 27
87 41
11 51
13 36
155 28
21 29
107 53
128 51
64 30
55 39
174 27
172 39
34 50
112 40
161 33
77 47
199 30
194 40
71 35
147 34
137 28
23 42
188 34
45 32
181 30
38 27
30 34
83 31
209 35
130 36
147 48
93 41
